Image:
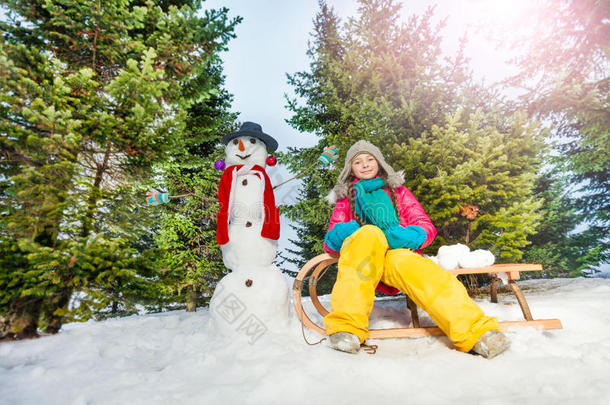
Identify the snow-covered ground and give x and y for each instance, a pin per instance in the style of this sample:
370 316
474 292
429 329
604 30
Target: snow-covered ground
180 357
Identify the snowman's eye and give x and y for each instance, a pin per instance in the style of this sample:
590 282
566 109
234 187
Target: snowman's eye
235 141
252 140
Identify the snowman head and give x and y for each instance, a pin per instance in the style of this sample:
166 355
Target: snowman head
246 150
248 146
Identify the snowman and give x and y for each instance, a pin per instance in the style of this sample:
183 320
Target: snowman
248 222
254 297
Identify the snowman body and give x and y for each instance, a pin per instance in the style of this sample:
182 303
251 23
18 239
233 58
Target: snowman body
246 216
251 302
246 245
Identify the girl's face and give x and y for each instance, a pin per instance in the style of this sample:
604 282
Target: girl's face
365 166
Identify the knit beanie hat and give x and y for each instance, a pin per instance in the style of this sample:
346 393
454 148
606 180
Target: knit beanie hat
341 189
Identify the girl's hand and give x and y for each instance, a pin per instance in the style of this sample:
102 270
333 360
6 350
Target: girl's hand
410 237
341 231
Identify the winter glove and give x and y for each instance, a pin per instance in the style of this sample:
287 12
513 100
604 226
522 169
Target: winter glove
335 237
410 237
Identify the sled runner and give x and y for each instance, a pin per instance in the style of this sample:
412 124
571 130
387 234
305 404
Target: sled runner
315 269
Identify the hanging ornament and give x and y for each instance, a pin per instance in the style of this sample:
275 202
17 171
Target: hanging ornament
271 161
220 165
153 197
330 154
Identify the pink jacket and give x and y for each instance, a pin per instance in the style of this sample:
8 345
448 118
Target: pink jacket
410 211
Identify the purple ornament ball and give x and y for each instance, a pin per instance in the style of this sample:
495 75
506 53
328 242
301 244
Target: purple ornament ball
220 165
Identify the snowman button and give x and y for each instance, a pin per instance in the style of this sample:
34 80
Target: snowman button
245 182
248 224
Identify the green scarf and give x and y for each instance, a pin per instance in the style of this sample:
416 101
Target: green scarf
373 204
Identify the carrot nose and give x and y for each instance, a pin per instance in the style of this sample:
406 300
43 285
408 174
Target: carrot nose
241 146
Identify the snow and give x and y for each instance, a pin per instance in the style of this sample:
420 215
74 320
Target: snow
179 357
453 256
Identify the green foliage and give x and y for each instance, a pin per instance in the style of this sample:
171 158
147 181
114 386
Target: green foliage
563 68
190 259
94 96
557 246
477 164
190 255
378 79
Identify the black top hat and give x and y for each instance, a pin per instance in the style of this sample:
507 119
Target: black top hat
254 130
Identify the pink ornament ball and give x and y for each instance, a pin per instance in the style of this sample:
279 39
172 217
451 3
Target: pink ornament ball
271 161
220 165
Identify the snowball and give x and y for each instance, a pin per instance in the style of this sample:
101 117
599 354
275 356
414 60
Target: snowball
448 256
486 258
447 262
452 256
470 259
456 250
477 258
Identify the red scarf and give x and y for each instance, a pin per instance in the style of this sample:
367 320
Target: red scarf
271 223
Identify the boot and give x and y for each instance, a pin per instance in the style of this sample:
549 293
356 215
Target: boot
345 342
491 344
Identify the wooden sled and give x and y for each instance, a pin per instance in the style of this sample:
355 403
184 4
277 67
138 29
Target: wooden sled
318 264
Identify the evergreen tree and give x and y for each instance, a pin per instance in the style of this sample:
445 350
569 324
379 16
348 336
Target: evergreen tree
378 79
564 79
40 141
561 252
478 164
311 212
191 261
94 95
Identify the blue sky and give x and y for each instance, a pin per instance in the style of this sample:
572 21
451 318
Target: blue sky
272 41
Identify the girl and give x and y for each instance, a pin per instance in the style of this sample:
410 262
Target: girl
378 226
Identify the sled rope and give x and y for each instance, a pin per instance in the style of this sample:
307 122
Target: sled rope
370 349
304 338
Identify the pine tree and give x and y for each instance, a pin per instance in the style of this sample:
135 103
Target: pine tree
95 94
481 165
191 261
40 144
562 251
378 79
564 79
311 212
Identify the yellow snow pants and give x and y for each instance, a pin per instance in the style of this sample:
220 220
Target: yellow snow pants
366 259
